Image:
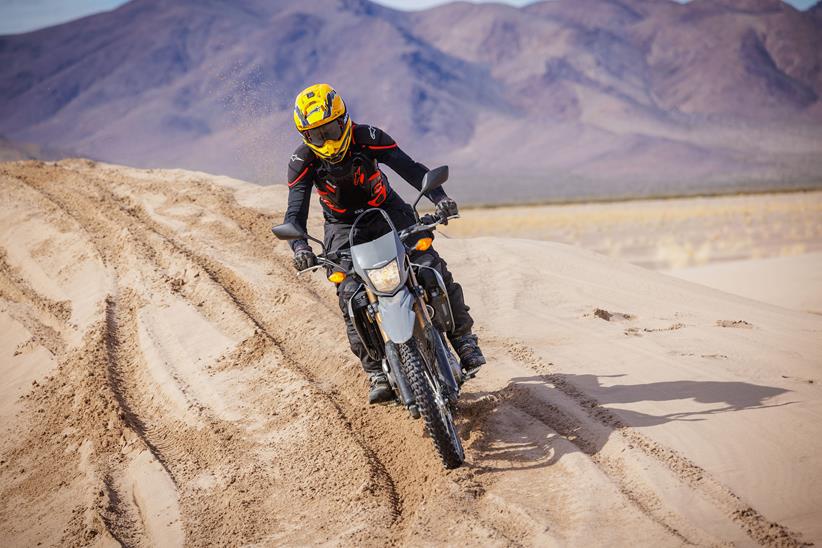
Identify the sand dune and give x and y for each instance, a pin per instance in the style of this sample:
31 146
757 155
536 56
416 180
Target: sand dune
171 380
792 282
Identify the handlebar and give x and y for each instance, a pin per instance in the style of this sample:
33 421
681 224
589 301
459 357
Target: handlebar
322 262
427 222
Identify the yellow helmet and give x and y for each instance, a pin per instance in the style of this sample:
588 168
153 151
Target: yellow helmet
321 117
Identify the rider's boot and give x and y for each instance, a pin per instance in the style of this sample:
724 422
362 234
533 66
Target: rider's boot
380 389
471 358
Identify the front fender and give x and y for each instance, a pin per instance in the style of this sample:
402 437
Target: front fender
397 316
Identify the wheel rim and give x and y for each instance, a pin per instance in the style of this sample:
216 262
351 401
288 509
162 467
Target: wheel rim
445 416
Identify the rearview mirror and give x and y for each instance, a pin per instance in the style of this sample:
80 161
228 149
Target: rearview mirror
431 180
289 231
434 178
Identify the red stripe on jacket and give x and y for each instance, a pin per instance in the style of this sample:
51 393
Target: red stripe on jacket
300 176
331 206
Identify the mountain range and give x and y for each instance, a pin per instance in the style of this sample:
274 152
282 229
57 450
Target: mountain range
561 98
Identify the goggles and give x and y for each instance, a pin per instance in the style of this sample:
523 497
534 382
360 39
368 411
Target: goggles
332 131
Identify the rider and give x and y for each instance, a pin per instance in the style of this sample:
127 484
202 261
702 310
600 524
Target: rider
341 160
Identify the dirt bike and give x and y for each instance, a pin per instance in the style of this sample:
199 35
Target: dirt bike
401 313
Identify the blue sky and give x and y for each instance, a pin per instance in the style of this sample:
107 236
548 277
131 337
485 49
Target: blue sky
25 15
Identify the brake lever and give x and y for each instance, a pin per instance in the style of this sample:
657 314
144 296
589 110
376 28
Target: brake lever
310 269
439 221
322 263
423 226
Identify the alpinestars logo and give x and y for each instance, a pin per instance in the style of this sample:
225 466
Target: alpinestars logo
295 158
373 132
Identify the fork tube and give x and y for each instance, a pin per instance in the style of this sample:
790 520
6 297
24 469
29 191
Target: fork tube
373 300
422 312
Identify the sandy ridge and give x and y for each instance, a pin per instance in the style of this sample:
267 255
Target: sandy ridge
253 409
237 293
152 254
44 315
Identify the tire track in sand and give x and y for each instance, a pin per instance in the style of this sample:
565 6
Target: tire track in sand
44 318
80 441
233 288
163 253
242 297
256 235
118 383
682 470
125 520
364 423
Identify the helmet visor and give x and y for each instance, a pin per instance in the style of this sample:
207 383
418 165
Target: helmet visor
332 131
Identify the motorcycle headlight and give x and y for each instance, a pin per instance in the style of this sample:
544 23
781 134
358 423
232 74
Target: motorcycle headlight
385 279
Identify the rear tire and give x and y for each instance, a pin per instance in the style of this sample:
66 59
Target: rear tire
437 416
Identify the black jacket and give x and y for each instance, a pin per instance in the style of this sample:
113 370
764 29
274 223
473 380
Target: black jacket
356 183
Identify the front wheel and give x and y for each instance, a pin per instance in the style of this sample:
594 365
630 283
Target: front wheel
435 411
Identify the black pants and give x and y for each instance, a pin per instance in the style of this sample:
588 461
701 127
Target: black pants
337 242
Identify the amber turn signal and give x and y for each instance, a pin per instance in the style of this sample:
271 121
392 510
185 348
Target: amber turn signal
336 277
423 244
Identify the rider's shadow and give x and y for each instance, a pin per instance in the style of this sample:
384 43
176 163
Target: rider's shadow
532 423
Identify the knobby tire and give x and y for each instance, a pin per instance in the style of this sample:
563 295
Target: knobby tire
449 450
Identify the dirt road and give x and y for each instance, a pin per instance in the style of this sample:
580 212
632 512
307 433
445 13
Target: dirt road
170 381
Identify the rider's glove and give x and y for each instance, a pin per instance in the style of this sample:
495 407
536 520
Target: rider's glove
303 256
447 208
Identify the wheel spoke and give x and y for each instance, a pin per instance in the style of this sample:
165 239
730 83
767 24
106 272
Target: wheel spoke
433 407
